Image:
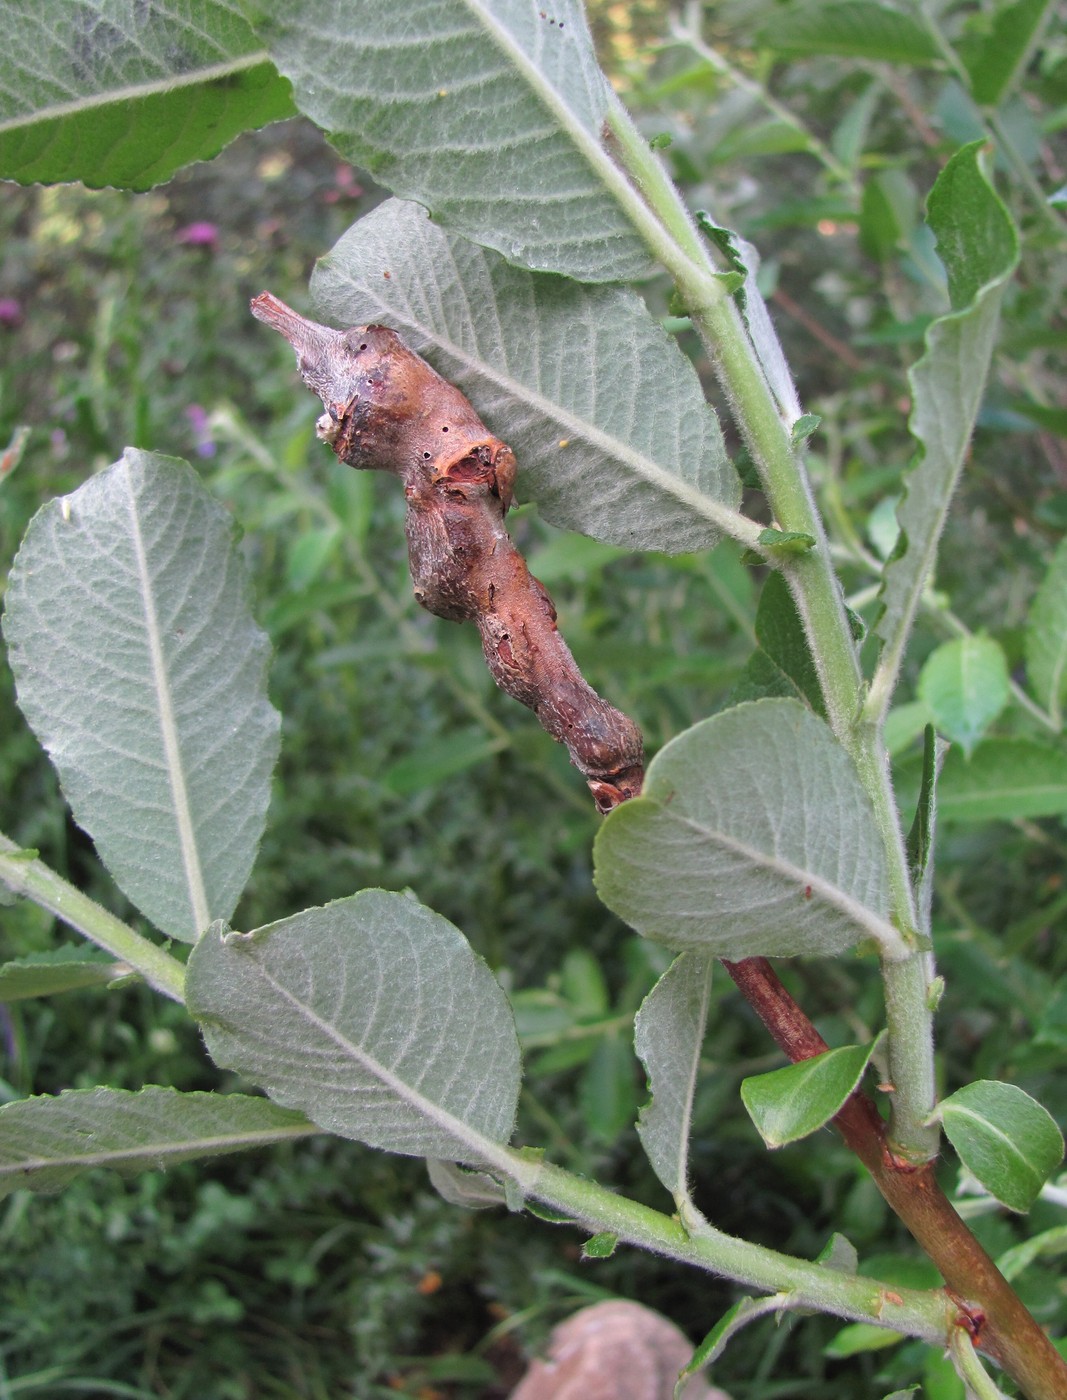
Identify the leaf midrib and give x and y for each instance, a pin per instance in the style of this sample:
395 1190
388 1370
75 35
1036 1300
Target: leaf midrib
730 522
486 1150
132 92
879 927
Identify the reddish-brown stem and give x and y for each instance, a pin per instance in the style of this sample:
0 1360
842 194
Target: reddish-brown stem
989 1308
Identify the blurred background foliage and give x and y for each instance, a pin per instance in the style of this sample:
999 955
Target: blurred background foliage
323 1269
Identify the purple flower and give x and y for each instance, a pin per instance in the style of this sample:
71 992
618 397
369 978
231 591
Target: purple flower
10 313
199 235
198 421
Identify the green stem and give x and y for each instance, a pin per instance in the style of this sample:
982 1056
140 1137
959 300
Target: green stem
979 1383
820 603
929 1315
910 1058
26 875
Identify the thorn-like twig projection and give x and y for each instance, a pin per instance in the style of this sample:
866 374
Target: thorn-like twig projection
388 410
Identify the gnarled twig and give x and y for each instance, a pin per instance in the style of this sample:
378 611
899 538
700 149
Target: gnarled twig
388 410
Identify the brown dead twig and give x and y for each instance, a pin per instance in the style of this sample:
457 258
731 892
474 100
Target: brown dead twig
388 410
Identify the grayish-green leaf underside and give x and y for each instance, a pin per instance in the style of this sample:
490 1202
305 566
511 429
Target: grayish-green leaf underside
140 669
753 837
489 112
46 1142
373 1016
605 413
668 1035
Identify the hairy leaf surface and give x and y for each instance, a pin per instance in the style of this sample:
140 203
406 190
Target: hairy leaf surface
373 1016
140 669
57 970
668 1035
605 413
46 1142
122 93
489 112
753 837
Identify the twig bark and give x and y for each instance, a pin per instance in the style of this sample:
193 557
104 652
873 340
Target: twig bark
990 1310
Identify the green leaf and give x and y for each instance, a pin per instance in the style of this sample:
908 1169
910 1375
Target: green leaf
780 634
714 1344
794 1102
603 410
754 837
46 1142
121 93
1004 1138
373 1016
1019 1257
1004 780
803 428
859 1337
852 29
608 1093
141 671
786 541
920 842
460 1187
998 59
600 1246
964 685
977 243
887 213
58 970
1046 637
668 1036
439 99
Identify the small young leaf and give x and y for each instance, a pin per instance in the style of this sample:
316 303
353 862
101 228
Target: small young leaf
600 1246
373 1016
141 670
791 1103
803 428
839 1253
920 842
603 410
714 1344
46 1142
786 541
859 1337
1046 637
57 970
964 684
668 1035
780 633
754 836
1004 1138
460 1187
